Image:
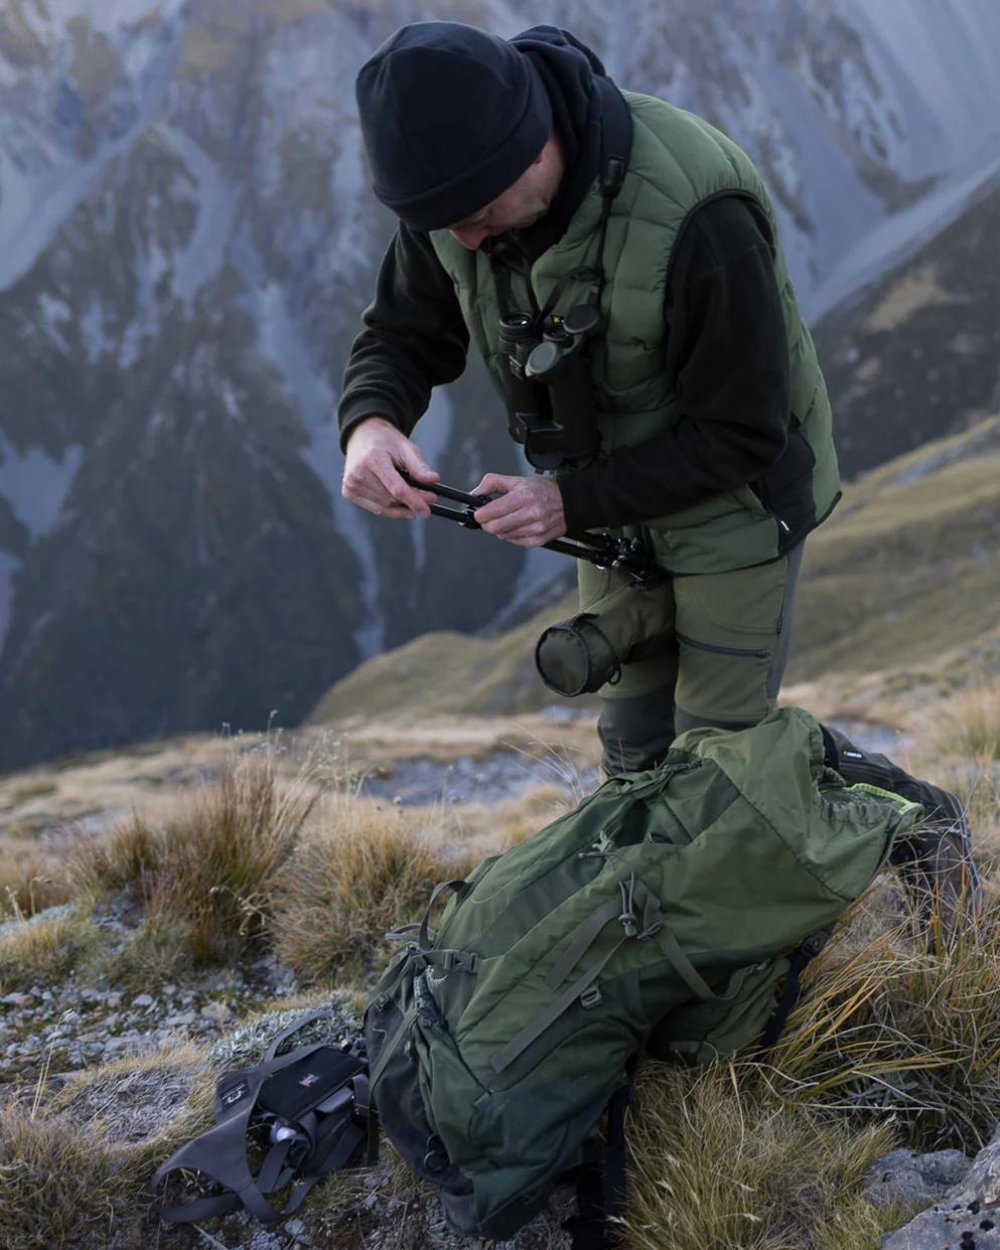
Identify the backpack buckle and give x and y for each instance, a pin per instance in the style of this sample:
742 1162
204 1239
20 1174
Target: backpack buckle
591 997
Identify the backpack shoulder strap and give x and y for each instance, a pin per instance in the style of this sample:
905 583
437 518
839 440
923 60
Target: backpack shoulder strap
601 1179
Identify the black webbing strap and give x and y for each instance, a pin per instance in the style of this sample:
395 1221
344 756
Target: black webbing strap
615 149
791 991
601 1181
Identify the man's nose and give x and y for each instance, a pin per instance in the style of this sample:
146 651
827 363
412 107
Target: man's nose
470 236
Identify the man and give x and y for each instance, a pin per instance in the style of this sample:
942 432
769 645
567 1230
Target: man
529 188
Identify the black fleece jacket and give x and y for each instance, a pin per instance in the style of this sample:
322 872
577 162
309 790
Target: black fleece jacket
726 351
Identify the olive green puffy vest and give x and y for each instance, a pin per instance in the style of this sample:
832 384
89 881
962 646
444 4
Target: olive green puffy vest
677 163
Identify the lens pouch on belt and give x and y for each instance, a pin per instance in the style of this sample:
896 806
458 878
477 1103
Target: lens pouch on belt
586 652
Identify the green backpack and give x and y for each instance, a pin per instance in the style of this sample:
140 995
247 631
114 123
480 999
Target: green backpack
659 917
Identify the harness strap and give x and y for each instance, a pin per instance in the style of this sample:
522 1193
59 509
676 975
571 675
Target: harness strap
601 1180
791 991
389 1049
341 1142
296 1026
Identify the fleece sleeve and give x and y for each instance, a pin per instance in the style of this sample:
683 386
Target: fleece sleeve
413 339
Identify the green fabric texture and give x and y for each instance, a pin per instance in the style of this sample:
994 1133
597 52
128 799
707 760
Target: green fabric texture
664 894
678 162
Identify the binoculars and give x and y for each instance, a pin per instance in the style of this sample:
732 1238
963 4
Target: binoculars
551 405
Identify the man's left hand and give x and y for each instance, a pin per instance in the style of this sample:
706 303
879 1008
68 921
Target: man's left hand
528 512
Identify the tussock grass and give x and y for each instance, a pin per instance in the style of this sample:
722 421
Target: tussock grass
46 948
211 867
157 953
510 821
73 1172
62 1184
888 1029
344 890
30 882
716 1165
968 723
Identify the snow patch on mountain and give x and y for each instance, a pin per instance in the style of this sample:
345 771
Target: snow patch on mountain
35 485
942 61
107 16
217 202
42 178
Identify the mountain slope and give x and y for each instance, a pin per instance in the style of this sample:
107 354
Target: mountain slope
188 240
917 353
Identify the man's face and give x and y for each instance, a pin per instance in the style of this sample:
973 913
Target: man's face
521 205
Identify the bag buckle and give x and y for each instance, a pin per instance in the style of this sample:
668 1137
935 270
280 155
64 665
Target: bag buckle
591 997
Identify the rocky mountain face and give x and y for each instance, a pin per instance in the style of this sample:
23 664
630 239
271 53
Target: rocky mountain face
918 350
188 241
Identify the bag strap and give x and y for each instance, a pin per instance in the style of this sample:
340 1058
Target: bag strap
601 1180
296 1026
791 991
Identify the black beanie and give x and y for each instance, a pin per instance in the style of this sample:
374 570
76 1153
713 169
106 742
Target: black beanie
451 116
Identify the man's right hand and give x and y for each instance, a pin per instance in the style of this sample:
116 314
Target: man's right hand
376 454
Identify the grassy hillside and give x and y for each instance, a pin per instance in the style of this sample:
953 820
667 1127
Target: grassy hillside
903 580
192 930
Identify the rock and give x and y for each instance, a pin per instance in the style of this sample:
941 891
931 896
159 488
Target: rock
16 1000
966 1217
143 1000
217 1013
183 1020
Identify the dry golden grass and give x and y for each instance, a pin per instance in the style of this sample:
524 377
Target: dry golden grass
888 1029
715 1165
30 880
967 724
46 949
61 1184
911 293
73 1167
891 1046
211 867
371 869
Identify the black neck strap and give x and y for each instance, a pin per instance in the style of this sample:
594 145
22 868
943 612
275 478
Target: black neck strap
616 147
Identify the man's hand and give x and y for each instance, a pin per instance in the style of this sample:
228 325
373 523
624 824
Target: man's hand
528 512
376 453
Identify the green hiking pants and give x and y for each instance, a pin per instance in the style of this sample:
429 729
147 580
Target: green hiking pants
717 658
